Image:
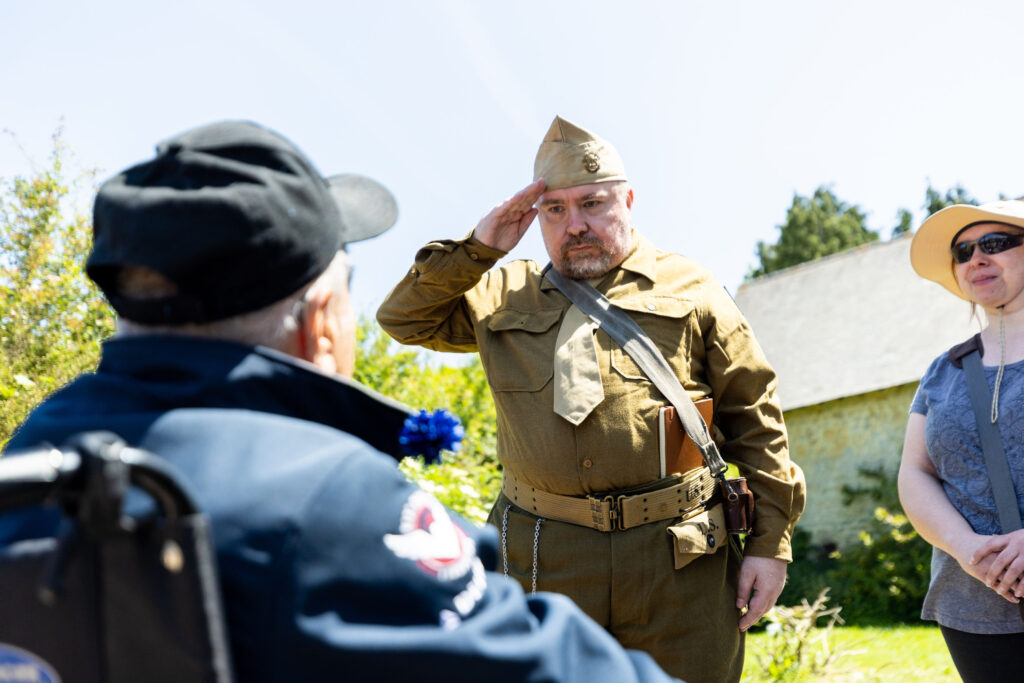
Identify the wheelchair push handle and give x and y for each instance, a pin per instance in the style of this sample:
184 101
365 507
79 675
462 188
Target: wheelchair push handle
29 477
34 476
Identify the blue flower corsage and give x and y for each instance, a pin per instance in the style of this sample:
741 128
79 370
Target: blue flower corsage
428 433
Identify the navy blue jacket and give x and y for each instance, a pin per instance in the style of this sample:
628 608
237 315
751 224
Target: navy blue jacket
332 564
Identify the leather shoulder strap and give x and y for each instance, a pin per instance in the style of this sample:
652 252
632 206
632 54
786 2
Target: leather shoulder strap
991 444
642 349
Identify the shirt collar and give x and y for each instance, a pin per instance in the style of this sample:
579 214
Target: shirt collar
175 371
642 260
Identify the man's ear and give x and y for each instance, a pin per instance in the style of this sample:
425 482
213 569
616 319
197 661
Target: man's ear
629 199
317 333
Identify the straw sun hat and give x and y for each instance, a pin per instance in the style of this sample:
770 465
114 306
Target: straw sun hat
930 250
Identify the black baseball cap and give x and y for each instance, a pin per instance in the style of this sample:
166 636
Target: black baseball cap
233 214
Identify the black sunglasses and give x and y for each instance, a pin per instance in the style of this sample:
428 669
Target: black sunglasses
992 243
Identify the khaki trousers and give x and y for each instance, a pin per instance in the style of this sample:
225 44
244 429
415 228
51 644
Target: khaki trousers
627 582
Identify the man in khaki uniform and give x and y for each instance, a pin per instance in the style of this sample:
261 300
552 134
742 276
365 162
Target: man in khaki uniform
578 421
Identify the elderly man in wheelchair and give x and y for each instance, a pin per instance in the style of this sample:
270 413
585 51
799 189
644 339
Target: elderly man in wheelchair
218 500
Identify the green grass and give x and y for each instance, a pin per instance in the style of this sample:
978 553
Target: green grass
866 654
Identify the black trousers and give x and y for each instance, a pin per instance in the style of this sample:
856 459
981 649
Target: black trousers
986 657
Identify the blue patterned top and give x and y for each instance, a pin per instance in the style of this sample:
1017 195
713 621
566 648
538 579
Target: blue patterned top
955 599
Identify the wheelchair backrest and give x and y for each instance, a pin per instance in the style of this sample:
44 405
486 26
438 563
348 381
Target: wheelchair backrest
106 597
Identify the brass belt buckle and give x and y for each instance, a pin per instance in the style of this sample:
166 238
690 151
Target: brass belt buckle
604 513
618 520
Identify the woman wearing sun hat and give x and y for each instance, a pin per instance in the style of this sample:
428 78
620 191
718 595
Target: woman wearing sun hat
976 253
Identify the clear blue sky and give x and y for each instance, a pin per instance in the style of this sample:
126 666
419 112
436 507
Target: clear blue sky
720 110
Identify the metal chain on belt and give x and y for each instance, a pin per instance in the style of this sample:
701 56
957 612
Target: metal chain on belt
504 538
504 545
536 543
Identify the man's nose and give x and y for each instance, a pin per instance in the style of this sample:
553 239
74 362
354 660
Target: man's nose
577 222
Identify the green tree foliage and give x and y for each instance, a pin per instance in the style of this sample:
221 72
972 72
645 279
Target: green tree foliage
815 226
936 201
52 318
933 201
904 221
881 579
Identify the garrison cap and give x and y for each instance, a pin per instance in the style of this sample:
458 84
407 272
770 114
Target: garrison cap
571 155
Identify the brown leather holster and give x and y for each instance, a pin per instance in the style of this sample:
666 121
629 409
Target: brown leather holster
739 505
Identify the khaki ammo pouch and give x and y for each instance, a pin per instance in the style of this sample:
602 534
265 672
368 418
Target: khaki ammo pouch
738 502
701 533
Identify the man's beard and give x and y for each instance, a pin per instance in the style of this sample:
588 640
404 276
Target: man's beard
585 267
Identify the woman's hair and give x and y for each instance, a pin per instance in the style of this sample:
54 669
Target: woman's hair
269 326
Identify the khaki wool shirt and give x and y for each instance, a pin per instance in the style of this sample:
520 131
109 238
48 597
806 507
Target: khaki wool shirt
452 300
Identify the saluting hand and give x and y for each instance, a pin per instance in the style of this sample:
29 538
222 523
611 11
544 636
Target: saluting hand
506 224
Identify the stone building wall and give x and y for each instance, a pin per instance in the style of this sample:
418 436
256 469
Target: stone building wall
832 441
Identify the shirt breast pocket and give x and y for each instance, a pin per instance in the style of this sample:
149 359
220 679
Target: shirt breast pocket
667 322
520 350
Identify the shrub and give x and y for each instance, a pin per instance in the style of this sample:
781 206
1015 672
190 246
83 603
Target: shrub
810 572
884 578
881 579
467 481
796 647
52 318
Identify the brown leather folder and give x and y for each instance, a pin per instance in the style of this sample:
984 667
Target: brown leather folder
678 453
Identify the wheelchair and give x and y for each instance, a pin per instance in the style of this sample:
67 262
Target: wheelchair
109 598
